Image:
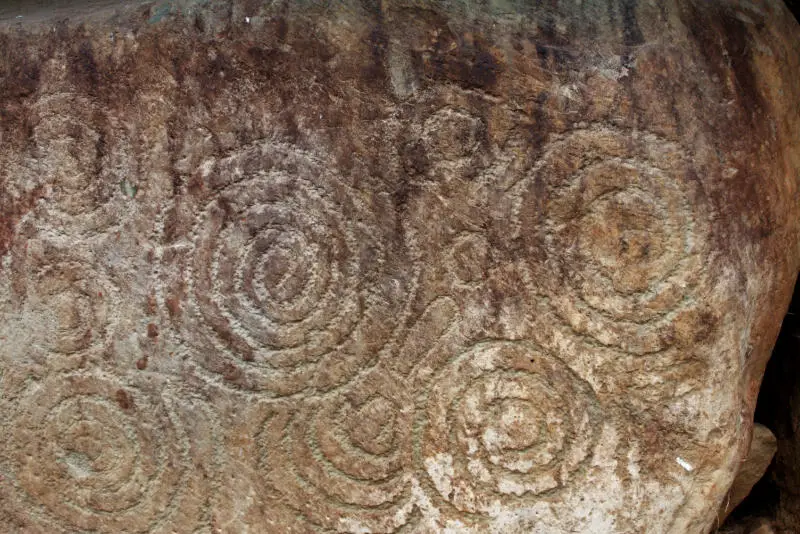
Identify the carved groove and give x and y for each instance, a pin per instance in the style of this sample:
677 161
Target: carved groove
285 277
624 243
94 453
504 422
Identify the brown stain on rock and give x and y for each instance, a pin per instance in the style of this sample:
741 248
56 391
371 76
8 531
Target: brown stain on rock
372 206
465 59
152 330
723 40
11 212
124 399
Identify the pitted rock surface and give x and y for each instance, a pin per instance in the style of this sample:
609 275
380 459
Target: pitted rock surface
402 267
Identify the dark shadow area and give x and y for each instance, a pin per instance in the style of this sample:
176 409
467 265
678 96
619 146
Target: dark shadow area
777 494
794 7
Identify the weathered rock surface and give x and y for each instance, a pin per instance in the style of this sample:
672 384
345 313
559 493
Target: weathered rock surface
754 526
390 267
755 464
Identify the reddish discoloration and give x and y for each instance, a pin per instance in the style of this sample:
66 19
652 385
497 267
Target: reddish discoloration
10 213
342 211
152 330
173 306
124 399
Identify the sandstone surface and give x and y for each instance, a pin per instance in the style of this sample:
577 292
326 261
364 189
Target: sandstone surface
762 450
408 266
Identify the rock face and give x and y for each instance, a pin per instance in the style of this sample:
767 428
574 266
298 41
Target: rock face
762 449
390 267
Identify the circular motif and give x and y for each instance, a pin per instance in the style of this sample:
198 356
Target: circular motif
452 134
62 304
75 302
504 422
446 147
92 453
623 236
289 274
341 461
69 151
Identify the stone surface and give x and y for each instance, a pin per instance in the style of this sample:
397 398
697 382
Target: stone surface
765 528
762 450
390 267
751 526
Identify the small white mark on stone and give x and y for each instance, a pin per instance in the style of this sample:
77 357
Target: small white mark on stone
683 463
479 471
247 20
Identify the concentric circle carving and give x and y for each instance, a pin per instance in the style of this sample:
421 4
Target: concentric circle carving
505 422
290 284
62 304
69 151
76 300
342 461
623 236
95 454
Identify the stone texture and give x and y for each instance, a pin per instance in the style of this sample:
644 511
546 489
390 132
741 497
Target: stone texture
751 526
762 450
390 267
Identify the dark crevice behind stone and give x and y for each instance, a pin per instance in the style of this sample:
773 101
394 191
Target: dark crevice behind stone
777 494
794 7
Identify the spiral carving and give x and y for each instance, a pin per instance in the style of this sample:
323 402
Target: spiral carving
61 305
70 147
342 462
622 233
290 286
388 267
93 453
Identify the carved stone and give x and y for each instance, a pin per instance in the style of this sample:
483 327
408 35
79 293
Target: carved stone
413 267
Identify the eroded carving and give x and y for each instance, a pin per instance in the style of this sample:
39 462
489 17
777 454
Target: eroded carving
404 268
505 422
95 452
623 232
